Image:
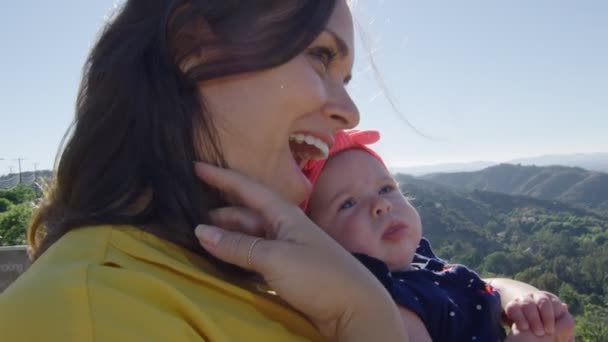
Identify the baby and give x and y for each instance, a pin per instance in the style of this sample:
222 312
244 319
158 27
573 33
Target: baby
357 202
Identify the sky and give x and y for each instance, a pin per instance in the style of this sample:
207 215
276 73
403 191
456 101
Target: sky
469 80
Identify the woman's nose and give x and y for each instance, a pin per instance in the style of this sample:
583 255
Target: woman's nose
341 109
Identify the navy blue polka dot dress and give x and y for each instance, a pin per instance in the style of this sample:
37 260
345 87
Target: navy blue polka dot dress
452 301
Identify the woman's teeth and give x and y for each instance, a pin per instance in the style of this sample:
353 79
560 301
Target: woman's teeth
312 141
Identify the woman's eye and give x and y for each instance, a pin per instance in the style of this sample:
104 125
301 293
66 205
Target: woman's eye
349 203
386 189
323 54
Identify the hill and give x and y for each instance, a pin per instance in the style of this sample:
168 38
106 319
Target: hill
589 161
571 185
27 177
444 167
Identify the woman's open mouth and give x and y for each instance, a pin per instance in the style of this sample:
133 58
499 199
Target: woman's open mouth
305 147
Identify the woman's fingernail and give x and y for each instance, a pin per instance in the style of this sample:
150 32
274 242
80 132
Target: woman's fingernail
208 235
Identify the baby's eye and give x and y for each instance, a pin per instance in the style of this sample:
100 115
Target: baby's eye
386 189
349 203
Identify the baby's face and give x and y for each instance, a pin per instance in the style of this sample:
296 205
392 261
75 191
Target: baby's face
359 204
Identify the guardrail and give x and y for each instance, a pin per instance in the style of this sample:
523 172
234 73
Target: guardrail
13 262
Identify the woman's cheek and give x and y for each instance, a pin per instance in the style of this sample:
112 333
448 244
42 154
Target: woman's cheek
310 85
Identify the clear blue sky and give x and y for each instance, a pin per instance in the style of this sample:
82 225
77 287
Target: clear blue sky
486 80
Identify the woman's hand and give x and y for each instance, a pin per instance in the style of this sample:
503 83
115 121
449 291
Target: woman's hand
298 260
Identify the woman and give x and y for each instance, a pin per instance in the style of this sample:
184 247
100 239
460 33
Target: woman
230 83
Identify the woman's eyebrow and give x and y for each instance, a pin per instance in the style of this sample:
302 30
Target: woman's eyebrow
340 43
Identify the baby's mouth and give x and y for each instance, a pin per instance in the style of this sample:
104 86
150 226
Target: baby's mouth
305 147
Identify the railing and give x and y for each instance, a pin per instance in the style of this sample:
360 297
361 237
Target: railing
13 262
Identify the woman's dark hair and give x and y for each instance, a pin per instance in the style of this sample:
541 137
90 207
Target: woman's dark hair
141 121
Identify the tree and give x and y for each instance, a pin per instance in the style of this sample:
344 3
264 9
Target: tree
19 194
13 224
574 300
5 204
593 326
498 263
548 282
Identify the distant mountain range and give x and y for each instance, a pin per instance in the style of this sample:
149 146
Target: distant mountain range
572 185
475 216
590 161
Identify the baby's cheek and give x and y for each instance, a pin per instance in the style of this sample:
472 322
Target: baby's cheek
335 229
362 240
347 233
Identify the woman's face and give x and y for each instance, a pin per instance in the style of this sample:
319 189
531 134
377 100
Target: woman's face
271 122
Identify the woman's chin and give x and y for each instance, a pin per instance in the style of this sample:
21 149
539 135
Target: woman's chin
301 188
291 184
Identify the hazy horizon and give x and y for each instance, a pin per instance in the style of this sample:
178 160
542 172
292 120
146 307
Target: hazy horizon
397 168
602 153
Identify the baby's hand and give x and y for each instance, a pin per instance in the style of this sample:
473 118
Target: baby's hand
540 312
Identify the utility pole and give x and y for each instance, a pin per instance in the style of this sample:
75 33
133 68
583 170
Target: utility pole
35 172
10 168
19 161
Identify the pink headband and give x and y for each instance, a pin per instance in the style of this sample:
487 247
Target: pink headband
344 140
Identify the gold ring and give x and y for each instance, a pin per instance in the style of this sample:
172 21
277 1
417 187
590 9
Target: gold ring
249 254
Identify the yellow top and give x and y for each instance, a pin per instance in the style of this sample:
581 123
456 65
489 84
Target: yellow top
111 283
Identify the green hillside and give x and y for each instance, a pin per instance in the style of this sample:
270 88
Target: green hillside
567 184
552 245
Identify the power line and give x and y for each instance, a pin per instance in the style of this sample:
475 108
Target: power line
19 160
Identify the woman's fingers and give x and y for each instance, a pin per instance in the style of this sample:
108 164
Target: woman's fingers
245 251
239 219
